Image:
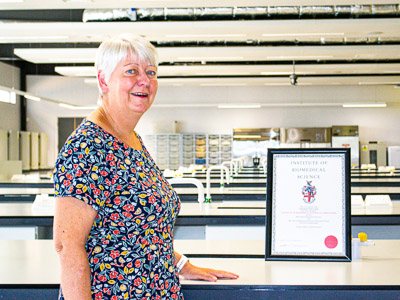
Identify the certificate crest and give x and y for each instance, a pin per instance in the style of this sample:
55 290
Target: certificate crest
309 191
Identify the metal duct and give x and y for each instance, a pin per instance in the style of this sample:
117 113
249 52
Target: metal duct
214 13
361 10
342 10
252 13
179 13
355 40
246 13
154 14
289 11
92 15
389 39
385 9
317 10
332 40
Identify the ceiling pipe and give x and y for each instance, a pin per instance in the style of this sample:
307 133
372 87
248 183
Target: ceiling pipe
241 13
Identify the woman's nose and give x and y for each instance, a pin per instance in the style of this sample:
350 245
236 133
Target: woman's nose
143 78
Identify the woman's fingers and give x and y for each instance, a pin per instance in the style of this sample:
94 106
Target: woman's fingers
224 274
206 274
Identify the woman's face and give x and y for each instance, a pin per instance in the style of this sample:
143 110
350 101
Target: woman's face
133 85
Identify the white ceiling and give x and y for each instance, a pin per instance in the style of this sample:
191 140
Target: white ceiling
263 30
346 30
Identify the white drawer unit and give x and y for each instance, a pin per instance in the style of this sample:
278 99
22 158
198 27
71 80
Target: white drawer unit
13 145
34 142
25 150
43 150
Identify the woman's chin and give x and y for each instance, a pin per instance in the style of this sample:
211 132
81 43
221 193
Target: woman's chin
140 109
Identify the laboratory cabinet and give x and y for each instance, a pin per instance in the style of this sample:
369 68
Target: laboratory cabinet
184 149
373 152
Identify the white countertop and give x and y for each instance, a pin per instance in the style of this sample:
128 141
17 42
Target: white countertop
215 190
35 262
237 208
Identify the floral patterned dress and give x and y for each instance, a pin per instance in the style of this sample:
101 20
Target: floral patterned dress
129 247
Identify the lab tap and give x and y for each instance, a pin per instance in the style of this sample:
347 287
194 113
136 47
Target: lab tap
235 165
231 166
208 186
196 182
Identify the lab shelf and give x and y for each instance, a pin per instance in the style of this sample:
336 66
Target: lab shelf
174 150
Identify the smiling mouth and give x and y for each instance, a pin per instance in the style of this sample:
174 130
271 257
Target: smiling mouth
143 95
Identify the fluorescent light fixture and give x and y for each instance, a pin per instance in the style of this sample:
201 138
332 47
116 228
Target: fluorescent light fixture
75 107
210 57
13 97
278 83
54 37
223 84
31 97
303 34
276 73
247 136
383 82
300 56
365 105
5 96
82 1
13 92
239 105
203 35
223 74
70 59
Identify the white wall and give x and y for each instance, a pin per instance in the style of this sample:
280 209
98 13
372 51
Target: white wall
9 113
374 123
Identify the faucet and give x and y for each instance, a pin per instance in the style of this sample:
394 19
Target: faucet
239 162
231 164
235 162
208 186
196 182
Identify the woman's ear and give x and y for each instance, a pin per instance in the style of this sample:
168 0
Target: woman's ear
101 78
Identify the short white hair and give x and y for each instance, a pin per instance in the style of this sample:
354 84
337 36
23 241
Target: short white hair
112 51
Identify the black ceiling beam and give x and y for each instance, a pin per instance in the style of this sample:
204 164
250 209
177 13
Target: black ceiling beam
42 15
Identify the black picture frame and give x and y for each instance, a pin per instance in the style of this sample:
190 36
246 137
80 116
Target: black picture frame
343 154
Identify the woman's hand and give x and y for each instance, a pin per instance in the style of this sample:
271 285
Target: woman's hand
191 272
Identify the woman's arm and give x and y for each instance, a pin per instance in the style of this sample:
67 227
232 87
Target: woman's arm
73 220
190 271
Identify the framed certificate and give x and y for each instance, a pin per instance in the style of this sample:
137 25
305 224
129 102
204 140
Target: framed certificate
308 205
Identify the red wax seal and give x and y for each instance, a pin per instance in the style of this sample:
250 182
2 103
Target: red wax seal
331 242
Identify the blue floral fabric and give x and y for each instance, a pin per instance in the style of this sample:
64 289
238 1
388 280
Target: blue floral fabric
129 247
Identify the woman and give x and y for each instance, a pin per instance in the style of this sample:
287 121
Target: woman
115 211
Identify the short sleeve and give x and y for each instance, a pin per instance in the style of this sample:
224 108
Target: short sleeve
81 172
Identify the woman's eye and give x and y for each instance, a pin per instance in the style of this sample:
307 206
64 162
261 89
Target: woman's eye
132 71
151 73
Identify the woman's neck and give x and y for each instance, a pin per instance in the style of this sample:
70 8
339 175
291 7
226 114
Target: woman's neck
119 125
